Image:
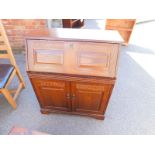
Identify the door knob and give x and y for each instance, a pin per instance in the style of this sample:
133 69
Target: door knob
71 45
68 95
73 95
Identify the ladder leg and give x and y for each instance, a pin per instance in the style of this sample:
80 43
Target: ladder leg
9 98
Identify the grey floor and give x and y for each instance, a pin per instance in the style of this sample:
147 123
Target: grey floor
131 108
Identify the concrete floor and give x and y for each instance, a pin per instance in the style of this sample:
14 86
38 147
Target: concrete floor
131 108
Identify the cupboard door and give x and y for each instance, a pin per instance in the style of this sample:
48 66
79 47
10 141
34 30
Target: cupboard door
90 98
52 94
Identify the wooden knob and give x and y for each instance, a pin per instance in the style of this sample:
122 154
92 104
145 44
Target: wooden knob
73 95
68 95
71 45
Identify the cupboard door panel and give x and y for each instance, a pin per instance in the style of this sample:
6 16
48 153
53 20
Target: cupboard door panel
46 56
52 94
97 59
90 98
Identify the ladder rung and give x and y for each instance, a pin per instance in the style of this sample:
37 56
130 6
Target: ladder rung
4 56
3 47
1 39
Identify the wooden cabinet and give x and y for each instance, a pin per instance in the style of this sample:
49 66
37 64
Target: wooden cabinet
73 75
72 23
123 26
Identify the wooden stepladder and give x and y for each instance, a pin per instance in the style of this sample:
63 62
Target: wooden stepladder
8 71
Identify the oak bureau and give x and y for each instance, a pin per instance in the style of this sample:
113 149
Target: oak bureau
73 71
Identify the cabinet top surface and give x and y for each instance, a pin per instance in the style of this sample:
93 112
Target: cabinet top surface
76 34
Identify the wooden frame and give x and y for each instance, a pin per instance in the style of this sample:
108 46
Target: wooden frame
5 46
123 26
